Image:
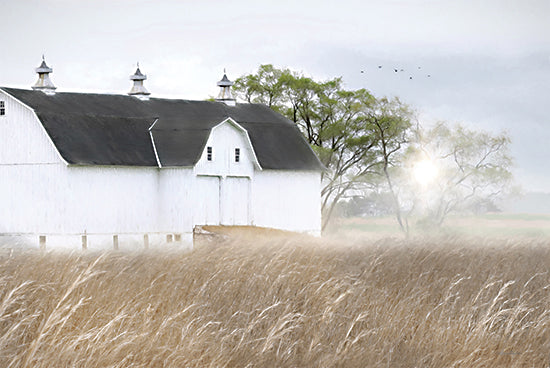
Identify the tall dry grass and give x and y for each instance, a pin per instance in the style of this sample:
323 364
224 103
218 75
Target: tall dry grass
281 303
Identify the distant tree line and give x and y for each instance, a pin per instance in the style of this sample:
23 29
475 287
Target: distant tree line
371 148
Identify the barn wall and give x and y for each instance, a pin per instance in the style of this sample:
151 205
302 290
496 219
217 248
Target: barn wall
65 202
24 140
58 199
112 199
31 173
287 200
177 202
30 197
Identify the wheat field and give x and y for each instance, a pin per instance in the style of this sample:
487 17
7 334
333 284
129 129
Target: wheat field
281 302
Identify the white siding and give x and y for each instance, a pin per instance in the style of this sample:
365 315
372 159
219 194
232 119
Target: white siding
29 198
22 136
288 200
57 199
177 200
223 139
31 173
111 199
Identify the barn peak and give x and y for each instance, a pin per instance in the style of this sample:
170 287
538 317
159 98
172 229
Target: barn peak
44 82
138 89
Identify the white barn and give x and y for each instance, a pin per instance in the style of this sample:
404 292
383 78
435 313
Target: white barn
100 169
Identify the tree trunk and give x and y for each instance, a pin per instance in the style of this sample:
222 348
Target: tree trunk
396 207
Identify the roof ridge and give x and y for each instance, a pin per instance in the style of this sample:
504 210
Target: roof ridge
88 114
111 94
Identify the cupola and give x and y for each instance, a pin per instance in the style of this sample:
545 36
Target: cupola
138 90
44 83
225 95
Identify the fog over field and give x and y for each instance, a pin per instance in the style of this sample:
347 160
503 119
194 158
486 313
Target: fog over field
488 62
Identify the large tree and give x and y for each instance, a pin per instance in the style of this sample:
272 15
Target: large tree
355 135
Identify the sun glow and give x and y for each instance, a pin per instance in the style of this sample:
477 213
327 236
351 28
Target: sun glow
425 172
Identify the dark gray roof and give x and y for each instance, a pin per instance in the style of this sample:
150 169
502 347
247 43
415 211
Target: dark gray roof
102 129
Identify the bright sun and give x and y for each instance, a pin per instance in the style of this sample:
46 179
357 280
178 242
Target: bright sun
424 172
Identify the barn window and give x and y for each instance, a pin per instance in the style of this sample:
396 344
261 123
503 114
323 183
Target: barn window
237 154
2 108
209 153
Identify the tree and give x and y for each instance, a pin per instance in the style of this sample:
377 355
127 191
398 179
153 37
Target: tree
263 87
355 135
457 169
392 126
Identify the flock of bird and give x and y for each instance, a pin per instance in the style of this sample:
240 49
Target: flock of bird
399 70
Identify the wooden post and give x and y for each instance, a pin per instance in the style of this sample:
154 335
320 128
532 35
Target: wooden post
42 242
169 238
146 241
115 242
84 242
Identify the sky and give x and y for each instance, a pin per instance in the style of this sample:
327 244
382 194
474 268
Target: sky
488 60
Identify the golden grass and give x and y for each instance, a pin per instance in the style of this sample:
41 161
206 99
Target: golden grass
281 303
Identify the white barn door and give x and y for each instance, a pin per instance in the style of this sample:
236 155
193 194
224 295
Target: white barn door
234 201
208 198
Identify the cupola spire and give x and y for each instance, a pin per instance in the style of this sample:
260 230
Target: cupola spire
44 82
138 90
225 95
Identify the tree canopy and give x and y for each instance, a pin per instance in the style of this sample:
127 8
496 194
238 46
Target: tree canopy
354 134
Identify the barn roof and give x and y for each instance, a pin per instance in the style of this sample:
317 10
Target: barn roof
103 129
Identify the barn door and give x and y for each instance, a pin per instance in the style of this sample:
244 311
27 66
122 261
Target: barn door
208 198
234 201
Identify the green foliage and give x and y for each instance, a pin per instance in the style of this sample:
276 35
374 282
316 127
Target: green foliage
354 134
264 87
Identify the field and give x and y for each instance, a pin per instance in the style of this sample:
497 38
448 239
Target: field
501 225
281 302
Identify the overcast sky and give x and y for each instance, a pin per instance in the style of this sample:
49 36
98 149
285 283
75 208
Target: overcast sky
489 61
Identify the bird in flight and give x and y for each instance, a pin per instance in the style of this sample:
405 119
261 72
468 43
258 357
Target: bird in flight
396 70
